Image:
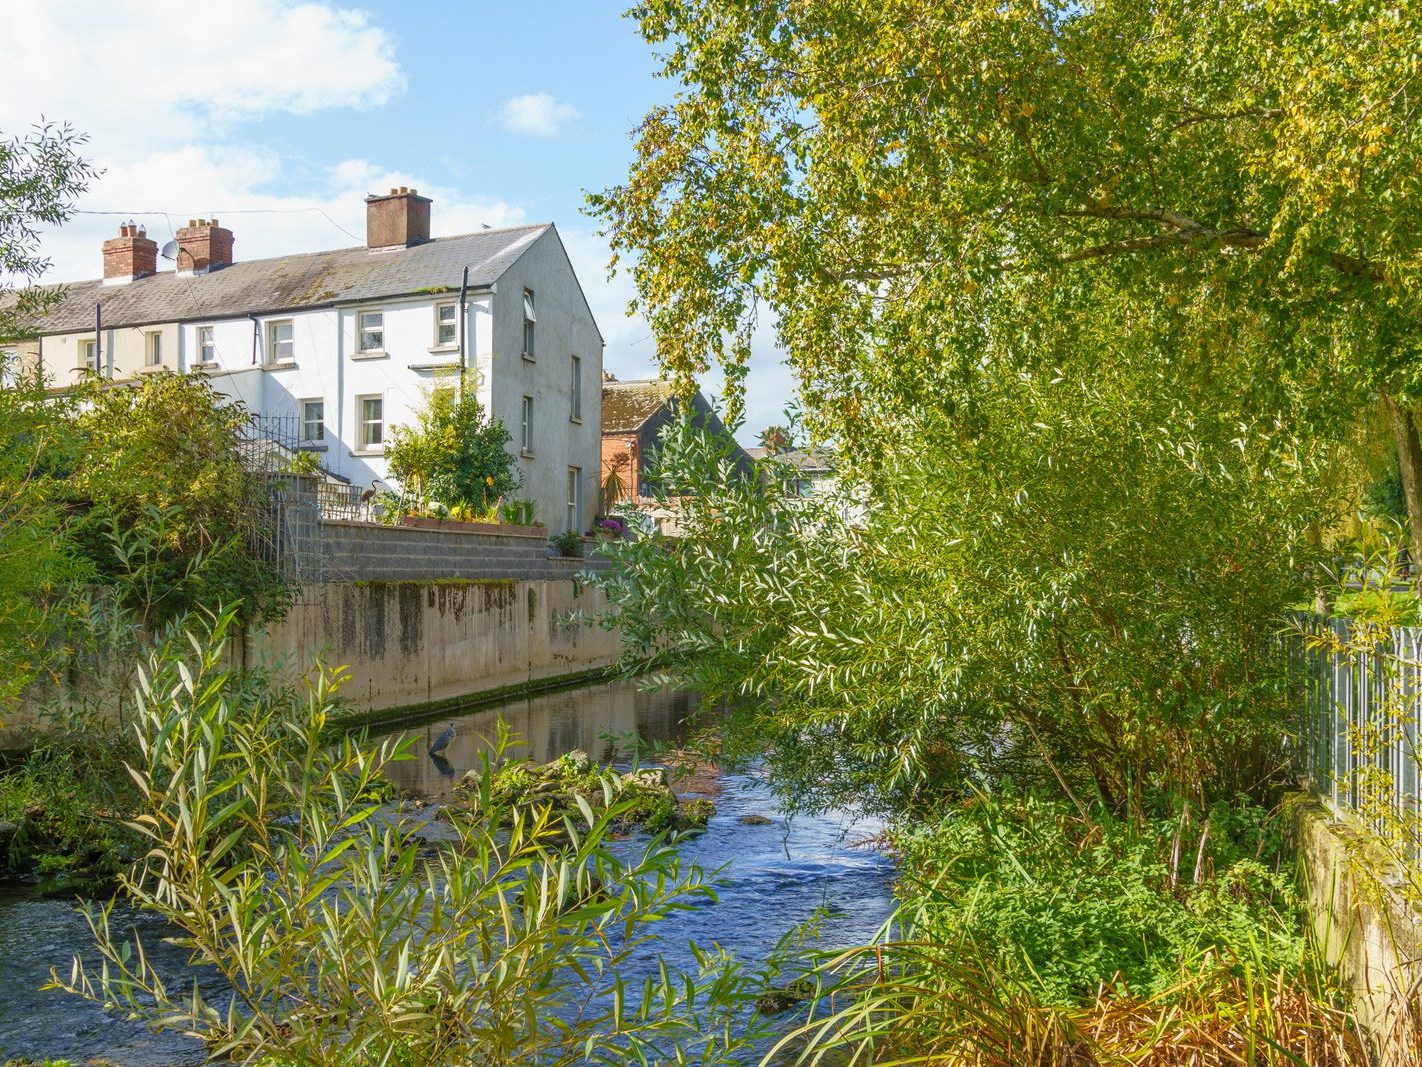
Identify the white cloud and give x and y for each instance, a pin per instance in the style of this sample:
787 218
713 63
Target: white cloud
537 114
228 183
145 74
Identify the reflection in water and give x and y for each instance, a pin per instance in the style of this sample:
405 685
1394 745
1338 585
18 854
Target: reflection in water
775 872
601 720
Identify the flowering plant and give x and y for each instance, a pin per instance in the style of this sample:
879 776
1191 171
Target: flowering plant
613 525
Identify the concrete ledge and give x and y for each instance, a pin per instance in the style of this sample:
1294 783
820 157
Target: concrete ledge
1363 923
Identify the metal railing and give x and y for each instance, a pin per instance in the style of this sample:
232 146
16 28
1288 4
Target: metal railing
1362 700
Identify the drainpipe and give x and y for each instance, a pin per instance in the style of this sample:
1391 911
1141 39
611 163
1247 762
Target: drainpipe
99 339
463 320
255 328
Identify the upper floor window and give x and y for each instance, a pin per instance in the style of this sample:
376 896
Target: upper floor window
527 437
89 355
529 318
207 346
372 331
576 411
313 422
153 348
371 431
281 347
446 325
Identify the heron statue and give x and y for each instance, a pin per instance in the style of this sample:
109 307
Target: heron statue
442 741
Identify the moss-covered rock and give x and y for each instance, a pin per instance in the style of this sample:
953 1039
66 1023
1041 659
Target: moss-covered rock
649 800
783 998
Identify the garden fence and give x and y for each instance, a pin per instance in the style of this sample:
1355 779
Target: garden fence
1361 690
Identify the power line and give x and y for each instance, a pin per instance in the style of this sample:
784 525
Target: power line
234 211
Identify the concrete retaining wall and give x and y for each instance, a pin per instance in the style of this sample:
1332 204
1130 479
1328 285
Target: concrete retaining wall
416 642
1364 925
417 615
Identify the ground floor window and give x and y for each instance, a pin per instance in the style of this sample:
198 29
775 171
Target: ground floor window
575 498
372 421
313 422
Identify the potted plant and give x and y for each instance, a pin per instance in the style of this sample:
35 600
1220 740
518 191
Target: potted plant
568 544
610 528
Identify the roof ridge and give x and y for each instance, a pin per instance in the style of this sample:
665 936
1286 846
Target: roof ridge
331 252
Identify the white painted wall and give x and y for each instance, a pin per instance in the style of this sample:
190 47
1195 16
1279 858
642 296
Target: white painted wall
327 366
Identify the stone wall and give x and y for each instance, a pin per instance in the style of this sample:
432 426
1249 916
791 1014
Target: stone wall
362 551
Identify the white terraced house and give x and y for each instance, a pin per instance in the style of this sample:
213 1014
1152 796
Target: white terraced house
345 344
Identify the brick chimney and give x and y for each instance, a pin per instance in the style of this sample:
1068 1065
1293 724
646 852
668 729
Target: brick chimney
398 220
130 255
203 245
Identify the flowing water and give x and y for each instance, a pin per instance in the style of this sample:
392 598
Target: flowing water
774 876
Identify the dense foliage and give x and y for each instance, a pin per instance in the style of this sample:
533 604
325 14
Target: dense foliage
454 454
1082 591
165 509
1071 902
36 566
892 184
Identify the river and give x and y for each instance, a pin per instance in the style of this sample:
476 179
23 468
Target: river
774 876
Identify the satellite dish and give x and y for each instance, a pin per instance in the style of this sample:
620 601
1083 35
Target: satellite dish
169 250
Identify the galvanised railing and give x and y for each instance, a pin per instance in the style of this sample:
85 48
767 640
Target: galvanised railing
1362 701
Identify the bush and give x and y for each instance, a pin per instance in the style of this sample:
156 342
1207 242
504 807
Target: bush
455 453
1069 906
168 513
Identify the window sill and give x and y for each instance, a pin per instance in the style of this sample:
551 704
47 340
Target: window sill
151 368
311 447
379 450
283 364
575 419
529 359
205 364
370 355
438 350
525 453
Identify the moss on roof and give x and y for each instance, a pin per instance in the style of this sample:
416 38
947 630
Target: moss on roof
626 406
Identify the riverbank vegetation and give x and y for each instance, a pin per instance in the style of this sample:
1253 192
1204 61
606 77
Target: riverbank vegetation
131 508
1094 305
327 930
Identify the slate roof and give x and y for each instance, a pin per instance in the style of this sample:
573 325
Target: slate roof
306 280
626 406
815 459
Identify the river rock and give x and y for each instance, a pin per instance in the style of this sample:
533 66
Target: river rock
756 820
782 998
646 778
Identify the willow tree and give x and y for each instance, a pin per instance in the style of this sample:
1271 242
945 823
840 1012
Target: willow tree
875 174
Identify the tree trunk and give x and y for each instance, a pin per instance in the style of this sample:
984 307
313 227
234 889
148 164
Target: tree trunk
1409 459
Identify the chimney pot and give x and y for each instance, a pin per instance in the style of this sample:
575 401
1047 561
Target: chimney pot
129 255
401 219
203 245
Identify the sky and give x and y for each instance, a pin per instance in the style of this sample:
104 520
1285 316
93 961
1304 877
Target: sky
277 118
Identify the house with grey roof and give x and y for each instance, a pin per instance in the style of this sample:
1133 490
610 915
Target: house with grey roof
342 345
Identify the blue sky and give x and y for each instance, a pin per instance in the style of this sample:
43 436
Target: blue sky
278 116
